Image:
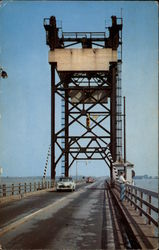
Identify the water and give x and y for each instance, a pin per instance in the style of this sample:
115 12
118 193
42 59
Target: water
15 180
150 184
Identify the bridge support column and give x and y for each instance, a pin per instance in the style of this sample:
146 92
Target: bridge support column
66 132
113 112
53 137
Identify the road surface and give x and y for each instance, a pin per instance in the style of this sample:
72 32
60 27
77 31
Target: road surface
58 220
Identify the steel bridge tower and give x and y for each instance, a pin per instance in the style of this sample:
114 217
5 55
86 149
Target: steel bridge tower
88 65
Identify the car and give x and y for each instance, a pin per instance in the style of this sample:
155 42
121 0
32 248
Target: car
89 180
66 183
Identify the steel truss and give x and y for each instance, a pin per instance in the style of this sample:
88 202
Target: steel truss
91 144
100 140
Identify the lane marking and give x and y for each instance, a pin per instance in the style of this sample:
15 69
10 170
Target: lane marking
13 225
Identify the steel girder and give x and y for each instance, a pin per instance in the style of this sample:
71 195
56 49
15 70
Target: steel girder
95 142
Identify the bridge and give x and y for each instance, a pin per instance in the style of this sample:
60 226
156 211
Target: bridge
35 216
89 68
92 217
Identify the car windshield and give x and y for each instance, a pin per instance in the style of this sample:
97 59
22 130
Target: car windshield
65 179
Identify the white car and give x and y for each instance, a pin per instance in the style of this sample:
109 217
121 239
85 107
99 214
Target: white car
66 183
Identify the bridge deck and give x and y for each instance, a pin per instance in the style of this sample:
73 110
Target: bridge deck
90 218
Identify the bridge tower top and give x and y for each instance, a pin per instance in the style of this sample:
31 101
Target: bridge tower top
56 39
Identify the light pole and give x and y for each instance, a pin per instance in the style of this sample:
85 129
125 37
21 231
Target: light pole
124 130
1 172
76 170
124 115
3 74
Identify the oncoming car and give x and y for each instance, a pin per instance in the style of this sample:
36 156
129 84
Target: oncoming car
89 180
66 183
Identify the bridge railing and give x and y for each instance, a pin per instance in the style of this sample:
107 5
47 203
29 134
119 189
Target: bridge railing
23 188
144 201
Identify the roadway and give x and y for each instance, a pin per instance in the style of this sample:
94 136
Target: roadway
58 220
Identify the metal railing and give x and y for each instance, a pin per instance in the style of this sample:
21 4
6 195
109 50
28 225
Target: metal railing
23 188
84 34
144 201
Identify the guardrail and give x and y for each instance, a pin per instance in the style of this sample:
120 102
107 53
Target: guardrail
143 200
23 188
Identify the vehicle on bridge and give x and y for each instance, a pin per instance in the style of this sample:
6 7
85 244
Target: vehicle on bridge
66 183
90 180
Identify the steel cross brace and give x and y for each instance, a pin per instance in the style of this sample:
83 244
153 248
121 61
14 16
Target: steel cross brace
62 86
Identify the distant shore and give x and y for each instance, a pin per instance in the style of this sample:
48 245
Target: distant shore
145 177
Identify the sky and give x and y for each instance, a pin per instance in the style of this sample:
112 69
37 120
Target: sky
25 94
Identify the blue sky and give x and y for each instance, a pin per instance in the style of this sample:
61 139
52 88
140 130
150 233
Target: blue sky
25 94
